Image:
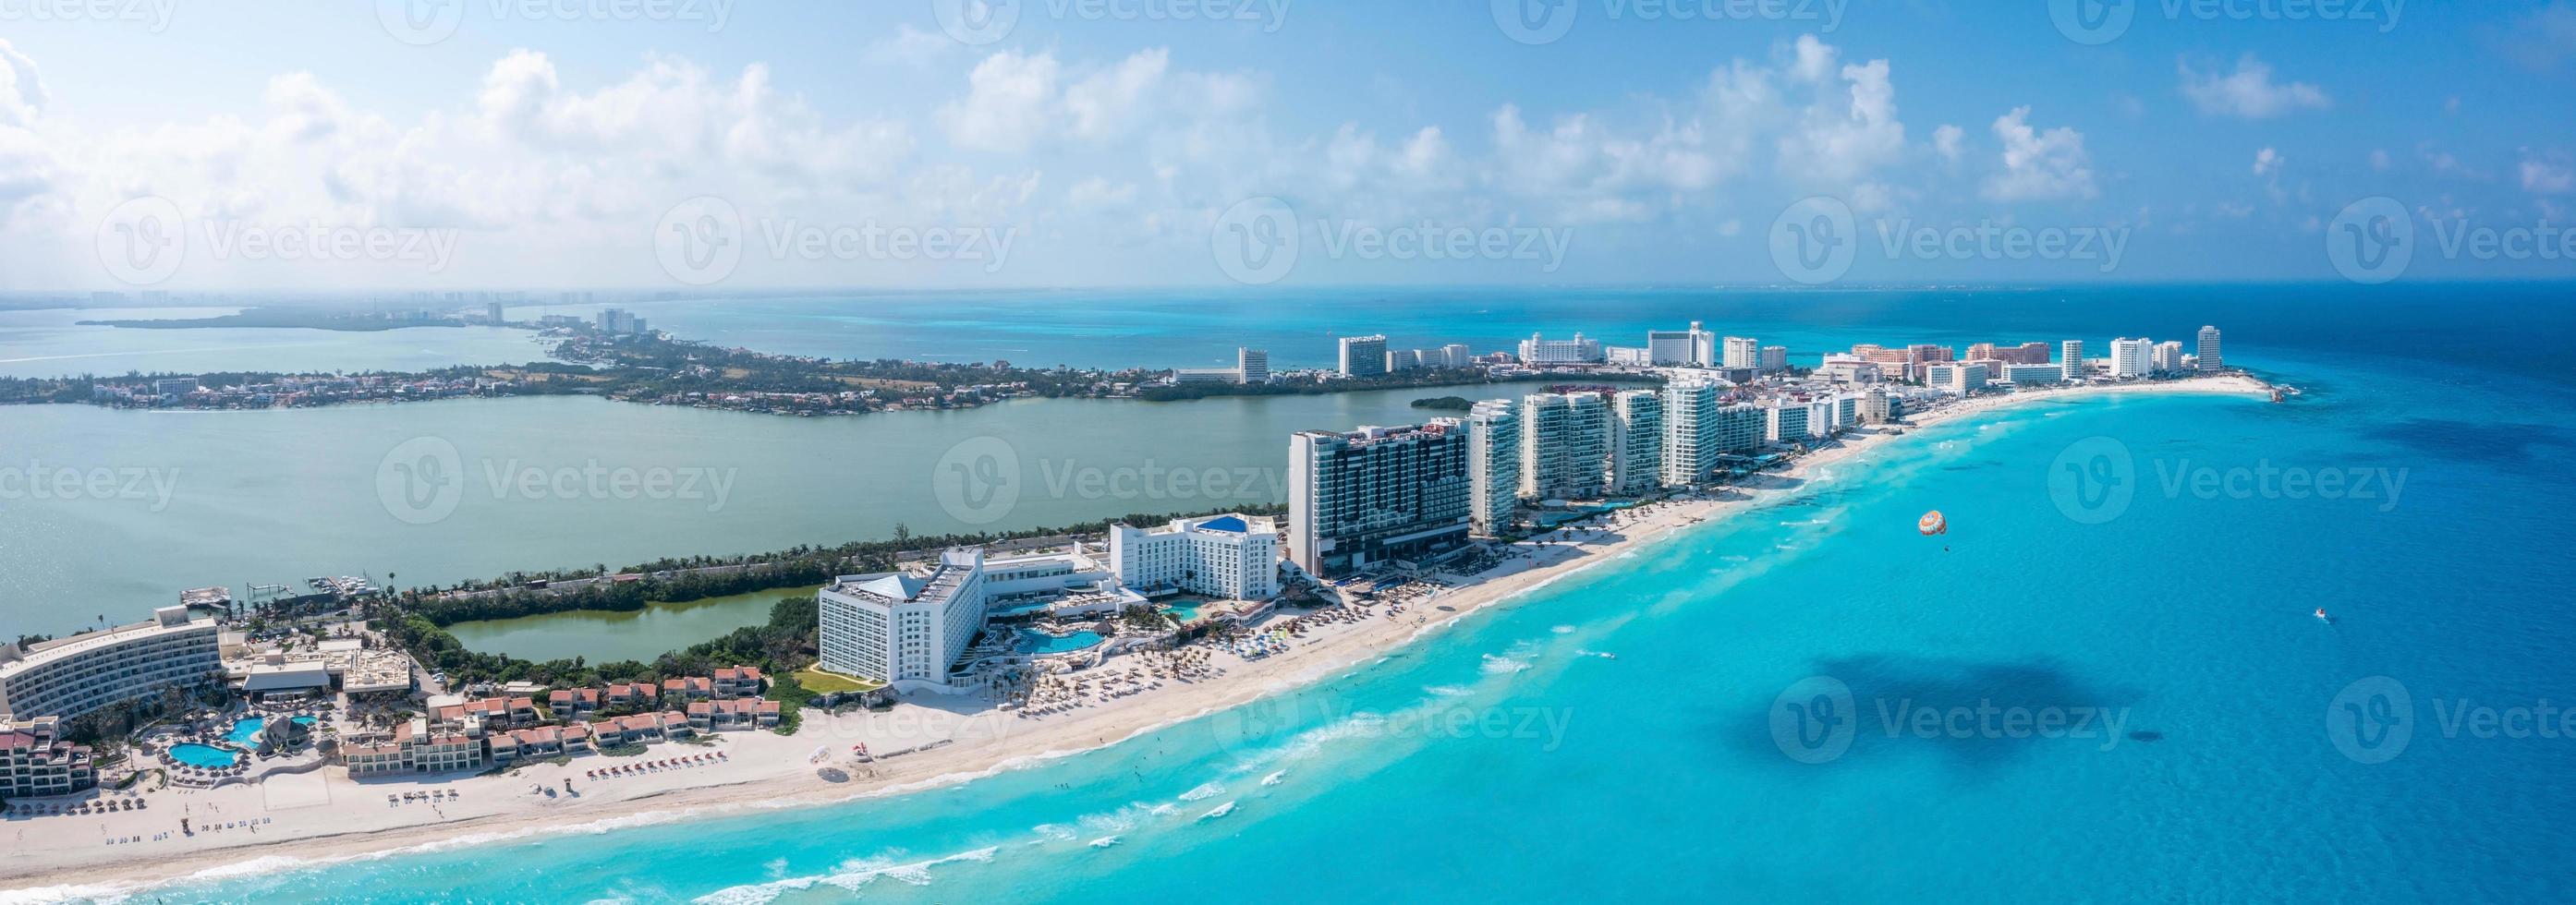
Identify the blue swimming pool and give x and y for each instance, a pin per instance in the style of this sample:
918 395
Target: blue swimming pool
1042 643
196 755
246 732
1185 612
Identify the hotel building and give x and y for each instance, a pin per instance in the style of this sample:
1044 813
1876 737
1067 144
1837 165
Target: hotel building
1636 452
1772 359
1691 445
2131 358
1493 466
2070 356
1788 424
1363 356
1232 556
36 762
1695 347
68 677
1251 365
1376 493
1536 351
1565 439
1742 352
2210 359
904 628
2166 357
2034 375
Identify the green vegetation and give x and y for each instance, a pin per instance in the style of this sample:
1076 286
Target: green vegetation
820 681
1446 403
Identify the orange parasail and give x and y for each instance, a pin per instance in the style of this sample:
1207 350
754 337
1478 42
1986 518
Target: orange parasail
1932 523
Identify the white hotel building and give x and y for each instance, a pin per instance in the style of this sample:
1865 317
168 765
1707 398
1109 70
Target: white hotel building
1235 557
1565 439
1636 443
1536 351
904 628
2131 358
71 676
1493 465
1695 347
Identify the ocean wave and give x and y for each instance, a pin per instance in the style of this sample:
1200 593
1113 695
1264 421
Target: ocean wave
1562 629
1448 691
1207 789
849 877
1503 666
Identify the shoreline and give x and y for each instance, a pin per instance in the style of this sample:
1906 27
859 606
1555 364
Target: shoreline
766 771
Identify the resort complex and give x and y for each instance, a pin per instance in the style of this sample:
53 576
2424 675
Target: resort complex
1593 452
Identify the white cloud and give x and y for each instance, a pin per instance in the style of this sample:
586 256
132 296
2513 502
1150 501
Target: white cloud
2249 92
2039 166
2547 177
1945 141
1009 103
2267 162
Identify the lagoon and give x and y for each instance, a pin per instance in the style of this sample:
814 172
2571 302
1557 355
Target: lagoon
128 507
607 637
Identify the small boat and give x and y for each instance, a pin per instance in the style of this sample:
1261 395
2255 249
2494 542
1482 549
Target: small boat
2322 617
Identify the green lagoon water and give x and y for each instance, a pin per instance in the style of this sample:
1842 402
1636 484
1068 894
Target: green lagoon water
607 637
233 498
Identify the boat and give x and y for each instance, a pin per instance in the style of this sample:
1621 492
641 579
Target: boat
2322 617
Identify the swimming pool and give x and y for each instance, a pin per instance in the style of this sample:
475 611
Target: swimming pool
196 755
1042 643
246 732
1185 612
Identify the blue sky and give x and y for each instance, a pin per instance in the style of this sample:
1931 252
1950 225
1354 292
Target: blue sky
595 142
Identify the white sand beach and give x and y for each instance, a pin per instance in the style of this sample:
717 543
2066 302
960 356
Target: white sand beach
325 816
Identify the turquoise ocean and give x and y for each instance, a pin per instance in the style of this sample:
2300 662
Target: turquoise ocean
2104 684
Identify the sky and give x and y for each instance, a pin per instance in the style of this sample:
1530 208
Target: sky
716 145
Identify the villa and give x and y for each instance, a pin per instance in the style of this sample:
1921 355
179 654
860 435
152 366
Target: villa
724 716
694 688
633 694
35 761
738 682
418 746
573 703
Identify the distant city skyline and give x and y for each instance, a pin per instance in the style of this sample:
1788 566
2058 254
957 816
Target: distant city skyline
710 147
